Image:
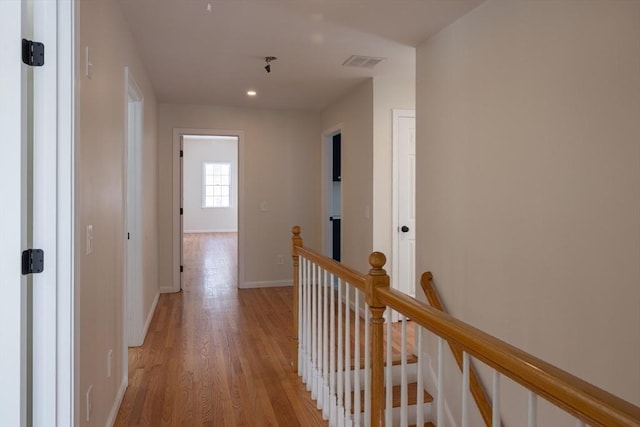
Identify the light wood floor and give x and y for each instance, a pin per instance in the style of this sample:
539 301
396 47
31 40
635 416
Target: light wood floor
215 355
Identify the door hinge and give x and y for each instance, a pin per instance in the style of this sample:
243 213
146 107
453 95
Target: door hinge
128 236
32 261
32 53
181 268
181 211
181 153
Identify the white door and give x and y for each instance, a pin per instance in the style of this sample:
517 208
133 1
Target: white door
404 195
12 167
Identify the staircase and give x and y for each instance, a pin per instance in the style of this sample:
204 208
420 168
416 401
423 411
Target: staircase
411 370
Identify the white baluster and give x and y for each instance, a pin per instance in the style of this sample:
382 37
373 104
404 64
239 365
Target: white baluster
389 370
340 372
404 388
420 409
325 346
347 352
465 389
533 411
314 334
308 327
496 400
357 407
367 367
580 423
332 358
440 400
300 316
318 338
320 402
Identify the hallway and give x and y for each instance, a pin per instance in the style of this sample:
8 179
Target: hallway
215 355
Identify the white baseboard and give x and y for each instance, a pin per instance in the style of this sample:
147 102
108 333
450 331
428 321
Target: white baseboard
150 316
217 230
164 290
269 284
117 402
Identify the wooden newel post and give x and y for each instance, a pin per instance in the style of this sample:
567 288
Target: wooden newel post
377 279
296 241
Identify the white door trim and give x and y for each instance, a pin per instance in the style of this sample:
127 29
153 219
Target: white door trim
397 114
13 390
175 215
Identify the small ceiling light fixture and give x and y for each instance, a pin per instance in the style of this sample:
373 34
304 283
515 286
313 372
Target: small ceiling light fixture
268 60
252 93
209 8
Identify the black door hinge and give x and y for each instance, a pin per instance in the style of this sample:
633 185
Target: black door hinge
181 153
181 211
128 236
32 261
181 268
32 53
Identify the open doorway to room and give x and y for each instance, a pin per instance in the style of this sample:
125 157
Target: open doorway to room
209 210
332 200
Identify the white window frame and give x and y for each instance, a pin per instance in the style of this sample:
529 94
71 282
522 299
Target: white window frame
204 184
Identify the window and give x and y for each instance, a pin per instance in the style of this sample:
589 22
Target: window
217 185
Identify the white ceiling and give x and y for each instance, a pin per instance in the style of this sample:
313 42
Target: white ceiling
198 57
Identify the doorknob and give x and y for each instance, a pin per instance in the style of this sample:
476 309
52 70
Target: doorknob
404 229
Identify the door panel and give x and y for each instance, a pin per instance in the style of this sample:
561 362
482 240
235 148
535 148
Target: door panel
405 185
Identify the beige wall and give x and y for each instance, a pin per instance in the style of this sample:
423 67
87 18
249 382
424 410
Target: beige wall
279 165
354 114
529 180
389 93
100 202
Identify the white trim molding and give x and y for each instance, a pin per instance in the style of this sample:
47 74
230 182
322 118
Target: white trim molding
266 284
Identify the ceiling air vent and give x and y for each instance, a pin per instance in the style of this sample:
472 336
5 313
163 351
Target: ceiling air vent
362 61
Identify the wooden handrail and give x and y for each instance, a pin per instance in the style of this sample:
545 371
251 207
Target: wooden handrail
583 400
477 390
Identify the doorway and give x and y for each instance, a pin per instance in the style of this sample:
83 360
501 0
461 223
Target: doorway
404 178
210 190
133 219
332 200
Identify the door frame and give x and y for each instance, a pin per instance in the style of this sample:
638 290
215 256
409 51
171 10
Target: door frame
395 223
133 280
55 345
178 134
13 391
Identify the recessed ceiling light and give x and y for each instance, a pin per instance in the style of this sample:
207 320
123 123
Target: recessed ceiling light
252 93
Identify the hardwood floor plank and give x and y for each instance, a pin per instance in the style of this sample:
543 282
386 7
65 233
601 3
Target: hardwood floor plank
215 355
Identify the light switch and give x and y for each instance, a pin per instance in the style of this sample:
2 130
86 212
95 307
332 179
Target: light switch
89 245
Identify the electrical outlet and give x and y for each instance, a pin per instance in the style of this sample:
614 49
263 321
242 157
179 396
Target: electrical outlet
89 402
109 363
280 259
